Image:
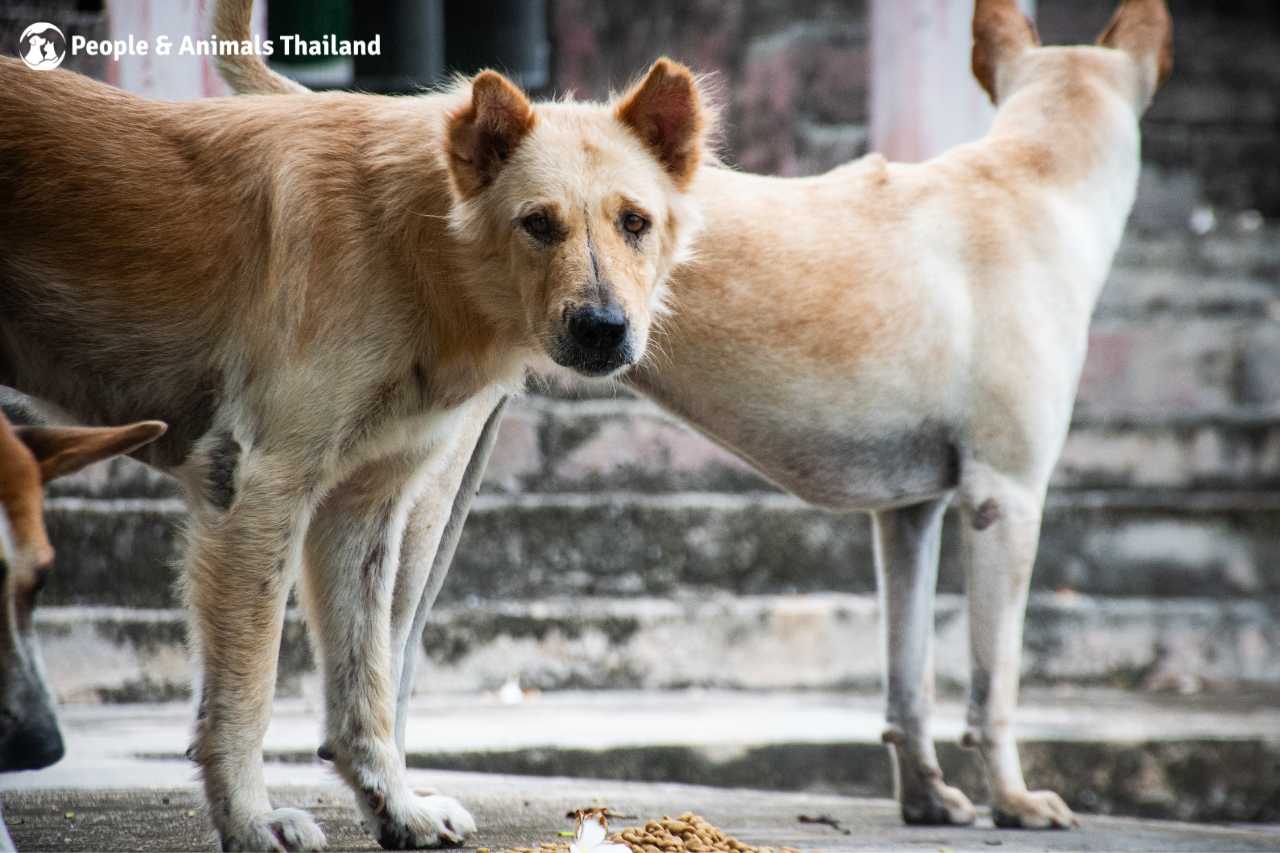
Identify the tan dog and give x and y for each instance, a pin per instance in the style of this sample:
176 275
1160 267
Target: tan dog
894 338
29 458
320 293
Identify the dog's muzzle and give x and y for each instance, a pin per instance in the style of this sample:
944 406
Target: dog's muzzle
32 746
596 341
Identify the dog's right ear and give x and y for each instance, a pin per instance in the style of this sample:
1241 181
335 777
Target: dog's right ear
1144 30
1001 33
483 134
64 450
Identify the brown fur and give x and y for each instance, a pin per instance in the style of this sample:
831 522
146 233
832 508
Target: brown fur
663 110
1000 33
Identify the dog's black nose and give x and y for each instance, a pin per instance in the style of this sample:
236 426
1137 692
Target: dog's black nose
32 749
598 328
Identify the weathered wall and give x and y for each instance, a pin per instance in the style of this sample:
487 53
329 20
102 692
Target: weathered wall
793 78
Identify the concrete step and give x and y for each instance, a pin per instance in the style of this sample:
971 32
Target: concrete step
1106 751
796 642
527 546
626 444
632 445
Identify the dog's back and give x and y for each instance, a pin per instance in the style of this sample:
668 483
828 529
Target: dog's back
136 236
904 297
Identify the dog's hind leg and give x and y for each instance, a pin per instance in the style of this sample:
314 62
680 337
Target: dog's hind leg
241 561
430 539
352 549
1001 533
907 542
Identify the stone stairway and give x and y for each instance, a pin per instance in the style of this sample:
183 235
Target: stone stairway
614 548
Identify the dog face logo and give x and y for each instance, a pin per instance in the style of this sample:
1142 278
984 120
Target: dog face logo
42 46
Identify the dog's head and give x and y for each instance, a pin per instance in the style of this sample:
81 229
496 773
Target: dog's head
1134 54
579 210
29 458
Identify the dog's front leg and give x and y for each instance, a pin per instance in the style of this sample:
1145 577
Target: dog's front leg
241 562
906 554
430 539
1001 534
351 554
6 843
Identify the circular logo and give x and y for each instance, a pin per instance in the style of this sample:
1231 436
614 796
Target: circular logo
42 46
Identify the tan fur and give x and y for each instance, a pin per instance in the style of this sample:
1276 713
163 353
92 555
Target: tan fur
318 291
1001 32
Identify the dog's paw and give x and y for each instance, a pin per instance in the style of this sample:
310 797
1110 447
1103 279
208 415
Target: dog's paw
424 821
1032 810
281 829
938 804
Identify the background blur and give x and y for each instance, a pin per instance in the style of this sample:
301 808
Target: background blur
615 550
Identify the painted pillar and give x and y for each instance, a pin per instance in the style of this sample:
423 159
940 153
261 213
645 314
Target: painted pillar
173 77
923 96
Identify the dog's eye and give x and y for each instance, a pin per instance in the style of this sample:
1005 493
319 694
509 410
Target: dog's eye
634 224
538 225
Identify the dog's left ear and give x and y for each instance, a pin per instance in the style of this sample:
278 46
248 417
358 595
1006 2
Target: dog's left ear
665 110
1144 30
484 134
1001 33
64 450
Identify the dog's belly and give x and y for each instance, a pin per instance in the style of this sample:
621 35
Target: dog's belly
842 458
857 469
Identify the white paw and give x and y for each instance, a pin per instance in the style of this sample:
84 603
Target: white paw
416 822
1032 810
281 829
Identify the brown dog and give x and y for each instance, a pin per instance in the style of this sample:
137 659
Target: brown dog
321 293
29 458
895 338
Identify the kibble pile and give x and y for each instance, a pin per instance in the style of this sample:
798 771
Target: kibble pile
689 833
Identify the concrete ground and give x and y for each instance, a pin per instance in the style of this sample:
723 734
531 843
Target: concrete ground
1192 758
108 795
164 814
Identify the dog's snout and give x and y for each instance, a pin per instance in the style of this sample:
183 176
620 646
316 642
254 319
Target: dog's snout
599 328
31 749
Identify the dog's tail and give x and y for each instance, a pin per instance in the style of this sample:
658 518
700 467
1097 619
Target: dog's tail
246 72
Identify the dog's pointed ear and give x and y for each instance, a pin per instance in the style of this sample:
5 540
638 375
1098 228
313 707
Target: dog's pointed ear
1144 30
484 134
1001 33
665 110
64 450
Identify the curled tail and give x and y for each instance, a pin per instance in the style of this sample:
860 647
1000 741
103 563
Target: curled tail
246 74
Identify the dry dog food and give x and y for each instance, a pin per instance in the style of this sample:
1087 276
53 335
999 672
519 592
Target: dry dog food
689 833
